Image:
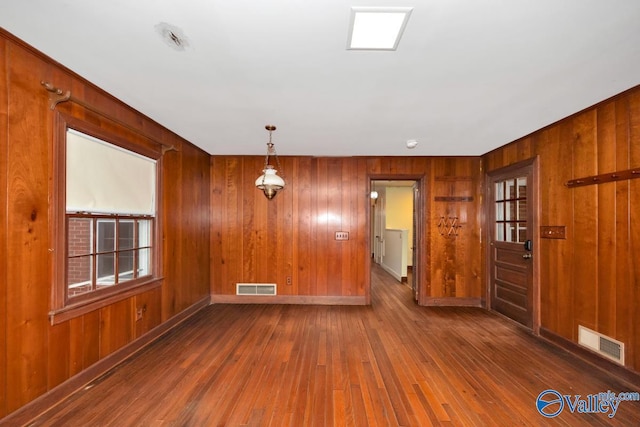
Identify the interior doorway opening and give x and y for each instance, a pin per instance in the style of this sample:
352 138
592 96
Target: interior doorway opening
395 217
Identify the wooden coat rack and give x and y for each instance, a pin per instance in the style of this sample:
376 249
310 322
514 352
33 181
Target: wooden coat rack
605 177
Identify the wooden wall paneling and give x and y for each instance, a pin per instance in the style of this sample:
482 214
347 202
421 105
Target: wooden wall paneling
549 215
185 223
171 213
362 215
349 222
254 212
623 266
27 230
562 211
585 225
75 343
217 210
58 354
335 214
199 264
428 233
323 223
116 326
443 245
4 167
634 228
527 147
606 221
284 230
225 228
302 235
90 338
634 270
270 247
150 304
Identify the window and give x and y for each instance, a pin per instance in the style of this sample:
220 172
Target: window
107 216
106 251
511 210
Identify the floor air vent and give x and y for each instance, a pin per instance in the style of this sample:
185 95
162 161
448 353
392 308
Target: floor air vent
255 289
601 344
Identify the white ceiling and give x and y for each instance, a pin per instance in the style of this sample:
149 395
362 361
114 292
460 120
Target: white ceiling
467 77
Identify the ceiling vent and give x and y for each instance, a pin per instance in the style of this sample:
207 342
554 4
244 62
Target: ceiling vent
172 36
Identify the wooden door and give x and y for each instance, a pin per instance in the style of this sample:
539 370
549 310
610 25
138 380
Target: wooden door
511 225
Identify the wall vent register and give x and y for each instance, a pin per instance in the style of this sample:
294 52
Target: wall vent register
256 289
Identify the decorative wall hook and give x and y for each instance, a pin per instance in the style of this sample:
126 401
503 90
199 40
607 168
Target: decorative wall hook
448 226
56 95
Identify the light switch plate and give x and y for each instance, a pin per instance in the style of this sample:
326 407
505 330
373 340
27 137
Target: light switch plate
342 235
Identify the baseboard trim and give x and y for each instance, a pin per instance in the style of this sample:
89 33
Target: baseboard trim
289 299
452 302
41 404
590 357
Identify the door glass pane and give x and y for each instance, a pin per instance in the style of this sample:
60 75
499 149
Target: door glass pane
511 189
510 210
511 235
500 232
500 211
499 191
522 210
522 187
522 234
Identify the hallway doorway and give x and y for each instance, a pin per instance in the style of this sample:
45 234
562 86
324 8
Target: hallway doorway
395 229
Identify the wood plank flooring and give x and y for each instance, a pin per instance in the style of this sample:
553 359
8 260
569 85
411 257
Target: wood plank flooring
389 364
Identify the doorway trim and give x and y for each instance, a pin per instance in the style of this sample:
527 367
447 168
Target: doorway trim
420 271
534 163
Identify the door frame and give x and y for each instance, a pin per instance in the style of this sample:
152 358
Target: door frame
534 163
419 271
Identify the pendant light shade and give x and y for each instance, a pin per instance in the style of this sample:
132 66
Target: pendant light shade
269 182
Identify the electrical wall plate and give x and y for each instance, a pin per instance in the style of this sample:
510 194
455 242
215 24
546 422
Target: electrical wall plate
553 232
342 235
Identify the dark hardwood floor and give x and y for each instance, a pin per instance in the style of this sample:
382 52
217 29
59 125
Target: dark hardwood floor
392 363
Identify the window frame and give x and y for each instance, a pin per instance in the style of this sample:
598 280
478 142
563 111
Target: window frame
62 306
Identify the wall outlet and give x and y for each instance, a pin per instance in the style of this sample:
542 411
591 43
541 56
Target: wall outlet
288 280
342 235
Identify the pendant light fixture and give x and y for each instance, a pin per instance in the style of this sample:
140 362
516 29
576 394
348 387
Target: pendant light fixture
269 182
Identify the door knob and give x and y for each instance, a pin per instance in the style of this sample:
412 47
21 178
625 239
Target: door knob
526 256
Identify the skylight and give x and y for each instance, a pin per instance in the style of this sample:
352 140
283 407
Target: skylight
377 28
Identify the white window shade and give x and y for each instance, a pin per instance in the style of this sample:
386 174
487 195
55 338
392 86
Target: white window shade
104 178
